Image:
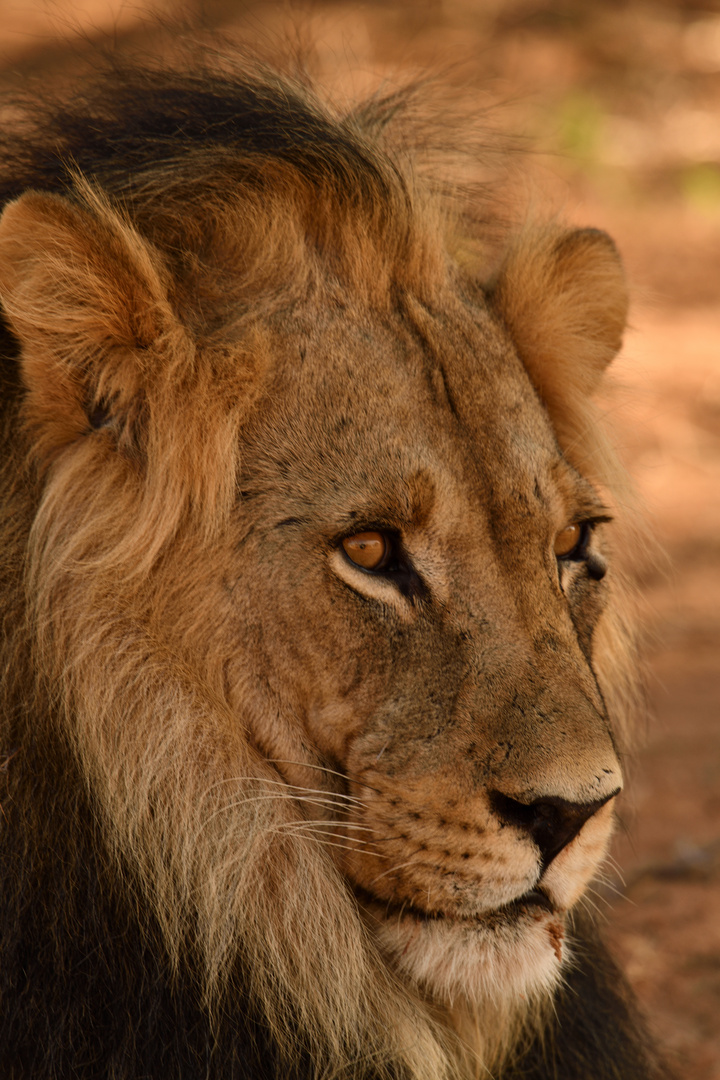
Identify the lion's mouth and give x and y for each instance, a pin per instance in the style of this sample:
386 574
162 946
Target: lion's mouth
534 902
533 899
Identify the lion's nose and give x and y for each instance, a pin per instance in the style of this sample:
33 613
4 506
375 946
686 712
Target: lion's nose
550 822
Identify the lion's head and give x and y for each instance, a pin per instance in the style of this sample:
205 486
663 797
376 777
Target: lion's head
318 561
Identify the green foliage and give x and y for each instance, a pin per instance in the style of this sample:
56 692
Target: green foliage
700 184
581 122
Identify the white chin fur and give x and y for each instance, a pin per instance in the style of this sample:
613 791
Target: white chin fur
510 960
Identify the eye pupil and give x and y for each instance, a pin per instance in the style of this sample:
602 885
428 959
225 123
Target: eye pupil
370 550
567 540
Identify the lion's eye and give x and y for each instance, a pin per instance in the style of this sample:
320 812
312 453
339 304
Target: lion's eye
569 539
371 550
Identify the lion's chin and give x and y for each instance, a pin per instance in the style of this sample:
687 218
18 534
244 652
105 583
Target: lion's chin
515 952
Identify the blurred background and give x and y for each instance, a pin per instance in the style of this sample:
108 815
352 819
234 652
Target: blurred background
618 104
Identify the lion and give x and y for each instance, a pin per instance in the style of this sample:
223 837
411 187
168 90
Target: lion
318 671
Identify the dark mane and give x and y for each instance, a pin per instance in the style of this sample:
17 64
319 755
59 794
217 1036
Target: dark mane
177 150
133 119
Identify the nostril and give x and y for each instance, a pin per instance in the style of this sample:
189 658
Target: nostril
552 823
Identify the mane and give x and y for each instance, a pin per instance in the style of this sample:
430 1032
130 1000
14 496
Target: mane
132 122
187 155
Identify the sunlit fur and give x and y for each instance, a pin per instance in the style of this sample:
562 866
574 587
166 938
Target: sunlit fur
151 311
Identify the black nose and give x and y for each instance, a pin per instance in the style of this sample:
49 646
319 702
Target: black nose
550 822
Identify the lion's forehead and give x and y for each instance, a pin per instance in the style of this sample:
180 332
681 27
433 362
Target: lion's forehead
362 405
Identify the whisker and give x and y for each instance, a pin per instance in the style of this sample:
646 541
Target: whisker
588 902
391 869
330 796
388 839
249 800
318 791
307 765
301 823
610 887
359 841
325 823
323 768
326 843
615 865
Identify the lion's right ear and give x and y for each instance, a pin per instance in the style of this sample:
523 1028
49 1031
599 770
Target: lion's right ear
563 297
86 297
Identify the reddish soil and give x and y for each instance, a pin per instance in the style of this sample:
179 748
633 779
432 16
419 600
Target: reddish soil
627 97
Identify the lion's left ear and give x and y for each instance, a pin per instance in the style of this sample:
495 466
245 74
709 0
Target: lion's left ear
563 296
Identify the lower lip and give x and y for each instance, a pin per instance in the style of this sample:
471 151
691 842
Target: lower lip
535 898
535 901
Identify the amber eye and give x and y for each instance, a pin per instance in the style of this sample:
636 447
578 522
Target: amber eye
567 540
371 550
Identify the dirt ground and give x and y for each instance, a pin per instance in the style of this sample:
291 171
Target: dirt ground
622 101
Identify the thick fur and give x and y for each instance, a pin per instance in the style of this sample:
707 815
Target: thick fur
255 798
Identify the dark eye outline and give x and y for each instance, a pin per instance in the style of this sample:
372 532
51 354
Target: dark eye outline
595 563
396 568
579 553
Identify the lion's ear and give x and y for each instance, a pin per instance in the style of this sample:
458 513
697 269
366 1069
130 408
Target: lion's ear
84 294
563 297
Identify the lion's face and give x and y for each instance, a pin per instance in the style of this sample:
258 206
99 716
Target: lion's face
447 697
351 521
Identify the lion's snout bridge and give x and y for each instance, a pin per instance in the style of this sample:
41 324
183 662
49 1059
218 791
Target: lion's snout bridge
551 823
